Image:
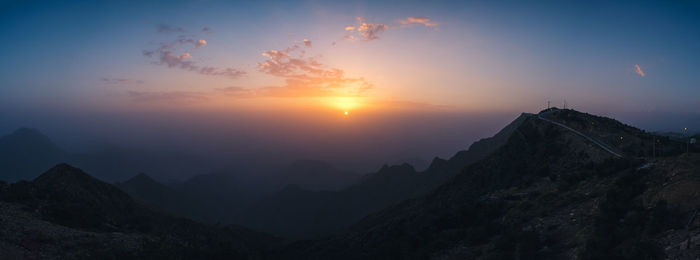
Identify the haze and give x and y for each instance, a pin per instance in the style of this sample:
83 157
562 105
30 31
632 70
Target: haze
230 85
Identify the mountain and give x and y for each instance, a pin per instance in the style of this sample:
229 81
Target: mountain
565 185
559 184
316 175
297 212
208 198
65 213
222 198
26 152
145 189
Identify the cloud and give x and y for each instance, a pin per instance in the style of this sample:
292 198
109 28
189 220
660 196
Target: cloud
418 20
121 81
306 76
639 70
277 91
207 30
165 55
368 31
406 104
307 43
164 28
235 91
167 96
199 44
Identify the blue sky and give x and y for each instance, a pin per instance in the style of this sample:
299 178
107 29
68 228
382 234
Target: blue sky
472 57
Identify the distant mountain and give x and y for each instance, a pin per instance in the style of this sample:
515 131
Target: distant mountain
145 189
559 188
26 152
316 175
307 214
559 184
67 214
208 198
222 198
417 163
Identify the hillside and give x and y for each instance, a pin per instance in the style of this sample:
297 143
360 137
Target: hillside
548 193
298 213
26 152
66 214
559 184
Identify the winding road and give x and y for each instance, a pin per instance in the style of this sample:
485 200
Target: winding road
593 140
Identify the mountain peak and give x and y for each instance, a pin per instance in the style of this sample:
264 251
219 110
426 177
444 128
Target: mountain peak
141 178
27 131
28 136
63 173
437 162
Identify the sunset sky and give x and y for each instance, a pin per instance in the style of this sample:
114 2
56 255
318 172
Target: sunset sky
308 62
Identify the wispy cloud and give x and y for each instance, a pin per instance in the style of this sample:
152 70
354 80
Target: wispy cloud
207 30
306 76
418 20
166 55
307 43
639 70
167 96
277 91
164 28
121 81
371 31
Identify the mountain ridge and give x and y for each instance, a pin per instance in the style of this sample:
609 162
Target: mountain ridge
70 214
531 199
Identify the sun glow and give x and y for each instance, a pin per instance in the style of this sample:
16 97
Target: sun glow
345 104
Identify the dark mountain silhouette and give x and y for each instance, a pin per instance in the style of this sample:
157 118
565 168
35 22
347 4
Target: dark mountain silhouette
26 152
65 213
297 212
550 192
316 175
559 184
208 198
221 198
145 189
417 163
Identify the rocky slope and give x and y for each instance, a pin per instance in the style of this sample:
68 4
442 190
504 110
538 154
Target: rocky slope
66 214
548 193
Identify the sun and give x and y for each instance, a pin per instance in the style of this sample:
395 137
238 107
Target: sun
344 104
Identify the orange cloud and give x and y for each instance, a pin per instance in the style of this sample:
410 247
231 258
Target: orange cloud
418 20
369 31
200 44
639 70
306 76
365 31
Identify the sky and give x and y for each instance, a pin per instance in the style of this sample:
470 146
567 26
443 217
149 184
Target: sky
348 80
